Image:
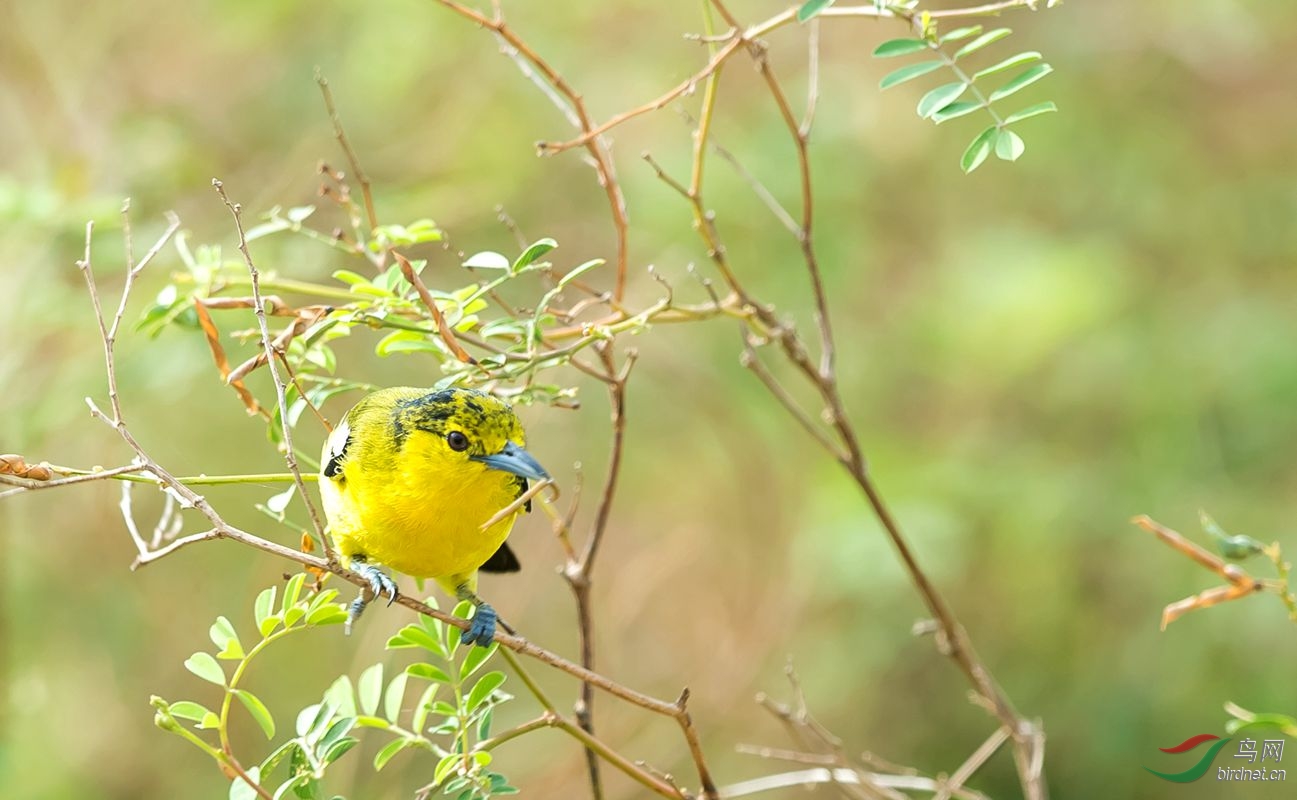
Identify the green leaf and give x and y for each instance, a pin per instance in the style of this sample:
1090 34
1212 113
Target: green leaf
331 614
982 41
978 150
223 636
812 7
1008 63
1235 548
940 97
484 724
342 697
338 748
394 695
444 767
1009 146
390 749
956 110
241 789
424 705
1284 723
482 689
370 688
279 501
258 711
538 249
1023 80
312 719
475 659
261 610
1046 107
204 666
272 760
373 722
442 707
428 672
292 591
340 728
908 72
415 636
899 47
348 277
187 709
960 33
487 260
403 341
576 272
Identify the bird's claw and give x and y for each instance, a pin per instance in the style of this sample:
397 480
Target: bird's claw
481 629
380 583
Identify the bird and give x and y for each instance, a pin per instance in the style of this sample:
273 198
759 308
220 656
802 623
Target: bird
408 480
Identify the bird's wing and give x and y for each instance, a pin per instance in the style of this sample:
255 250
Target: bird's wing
502 561
335 449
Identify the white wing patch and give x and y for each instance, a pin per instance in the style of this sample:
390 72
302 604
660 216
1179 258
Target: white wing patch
334 449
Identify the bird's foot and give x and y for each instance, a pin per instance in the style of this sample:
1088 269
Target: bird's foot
380 583
481 629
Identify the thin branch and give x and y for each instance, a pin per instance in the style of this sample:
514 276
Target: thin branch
341 135
809 777
597 148
974 762
286 427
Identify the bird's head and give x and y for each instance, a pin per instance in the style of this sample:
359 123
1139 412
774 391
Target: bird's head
465 430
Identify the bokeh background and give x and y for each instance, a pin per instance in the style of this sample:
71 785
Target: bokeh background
1032 355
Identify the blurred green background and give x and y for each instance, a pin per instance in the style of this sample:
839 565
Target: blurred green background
1033 354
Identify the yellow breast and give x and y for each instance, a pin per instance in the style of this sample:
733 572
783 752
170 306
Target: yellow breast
423 524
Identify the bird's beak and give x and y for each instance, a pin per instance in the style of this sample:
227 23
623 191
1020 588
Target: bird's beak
516 461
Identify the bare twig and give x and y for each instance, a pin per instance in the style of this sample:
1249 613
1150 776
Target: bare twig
600 157
286 427
1239 582
341 135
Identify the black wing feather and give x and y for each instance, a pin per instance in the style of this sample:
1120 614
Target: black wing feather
503 561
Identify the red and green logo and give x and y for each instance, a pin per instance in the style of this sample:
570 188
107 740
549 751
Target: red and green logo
1197 770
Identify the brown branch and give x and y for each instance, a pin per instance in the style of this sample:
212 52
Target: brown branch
286 427
594 145
341 135
1027 738
443 329
1240 583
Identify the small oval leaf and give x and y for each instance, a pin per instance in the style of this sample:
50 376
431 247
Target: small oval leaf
899 47
482 689
370 688
1046 107
394 695
534 252
940 97
389 750
1009 146
977 150
487 260
258 711
1025 79
204 666
982 41
1008 63
908 72
812 7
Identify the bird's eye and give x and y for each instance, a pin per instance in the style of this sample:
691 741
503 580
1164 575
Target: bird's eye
457 441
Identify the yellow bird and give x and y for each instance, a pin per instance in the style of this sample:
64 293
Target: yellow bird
410 477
